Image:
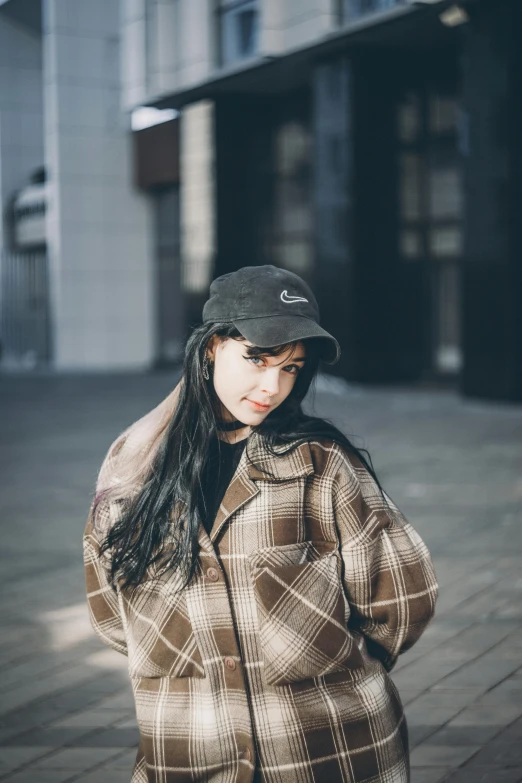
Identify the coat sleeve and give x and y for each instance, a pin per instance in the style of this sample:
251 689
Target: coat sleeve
388 575
102 597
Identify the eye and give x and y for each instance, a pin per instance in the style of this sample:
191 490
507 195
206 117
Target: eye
254 360
292 369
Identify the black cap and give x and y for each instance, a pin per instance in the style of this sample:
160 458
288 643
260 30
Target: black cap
269 306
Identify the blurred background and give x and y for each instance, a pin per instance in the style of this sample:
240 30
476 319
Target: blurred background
372 146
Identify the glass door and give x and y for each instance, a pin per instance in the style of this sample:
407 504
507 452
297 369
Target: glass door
431 216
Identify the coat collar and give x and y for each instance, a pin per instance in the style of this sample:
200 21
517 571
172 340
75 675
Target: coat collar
281 468
265 467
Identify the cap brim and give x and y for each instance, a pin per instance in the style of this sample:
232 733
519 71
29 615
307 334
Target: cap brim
280 329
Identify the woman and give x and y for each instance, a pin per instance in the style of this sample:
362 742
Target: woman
245 558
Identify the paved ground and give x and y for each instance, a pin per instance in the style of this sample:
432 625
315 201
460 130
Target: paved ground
453 466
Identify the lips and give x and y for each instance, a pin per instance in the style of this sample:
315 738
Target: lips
259 405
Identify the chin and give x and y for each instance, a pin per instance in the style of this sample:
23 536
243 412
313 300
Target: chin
251 421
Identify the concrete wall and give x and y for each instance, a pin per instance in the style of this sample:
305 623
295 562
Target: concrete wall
99 227
21 112
169 45
290 24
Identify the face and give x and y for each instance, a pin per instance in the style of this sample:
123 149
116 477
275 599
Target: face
250 387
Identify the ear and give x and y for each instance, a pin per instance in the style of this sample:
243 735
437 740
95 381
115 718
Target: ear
212 346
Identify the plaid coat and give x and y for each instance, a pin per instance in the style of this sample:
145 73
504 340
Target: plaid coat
273 664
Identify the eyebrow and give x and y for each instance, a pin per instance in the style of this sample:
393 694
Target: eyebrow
292 360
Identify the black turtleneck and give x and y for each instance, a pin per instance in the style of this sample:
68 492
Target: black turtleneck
221 466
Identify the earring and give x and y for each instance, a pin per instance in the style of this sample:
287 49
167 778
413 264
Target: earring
204 369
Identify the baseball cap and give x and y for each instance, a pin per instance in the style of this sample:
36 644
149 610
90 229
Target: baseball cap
269 306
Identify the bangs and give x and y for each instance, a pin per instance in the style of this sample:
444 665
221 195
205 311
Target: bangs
276 350
256 350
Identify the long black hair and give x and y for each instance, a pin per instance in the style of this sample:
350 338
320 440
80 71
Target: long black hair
157 528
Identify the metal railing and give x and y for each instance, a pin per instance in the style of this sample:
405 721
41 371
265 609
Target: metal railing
24 309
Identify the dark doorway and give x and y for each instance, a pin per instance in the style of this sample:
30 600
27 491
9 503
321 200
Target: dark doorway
431 205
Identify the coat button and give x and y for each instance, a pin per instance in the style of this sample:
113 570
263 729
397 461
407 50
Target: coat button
245 754
212 574
230 663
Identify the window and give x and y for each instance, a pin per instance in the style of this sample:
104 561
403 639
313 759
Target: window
353 9
239 27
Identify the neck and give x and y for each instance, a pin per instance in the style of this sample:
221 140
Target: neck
227 426
234 436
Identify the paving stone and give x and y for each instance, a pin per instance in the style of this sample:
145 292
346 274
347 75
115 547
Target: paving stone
80 759
426 672
122 700
429 774
48 737
485 672
124 761
50 687
127 723
44 776
488 715
110 738
474 774
460 683
116 776
442 755
506 693
408 695
514 731
501 753
94 718
462 735
435 708
419 733
12 758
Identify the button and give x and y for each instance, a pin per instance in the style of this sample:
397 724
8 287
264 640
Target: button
230 663
212 574
245 754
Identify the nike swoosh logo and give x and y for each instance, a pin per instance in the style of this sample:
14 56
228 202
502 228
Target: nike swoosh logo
289 299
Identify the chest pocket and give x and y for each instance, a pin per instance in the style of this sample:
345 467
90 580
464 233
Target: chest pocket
302 612
160 638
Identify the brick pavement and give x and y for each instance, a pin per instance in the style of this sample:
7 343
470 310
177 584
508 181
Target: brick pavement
453 467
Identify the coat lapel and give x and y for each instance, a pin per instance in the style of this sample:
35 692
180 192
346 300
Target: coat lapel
239 491
257 464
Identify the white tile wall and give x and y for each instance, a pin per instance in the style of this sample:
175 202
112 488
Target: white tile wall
133 65
96 17
132 9
79 58
101 243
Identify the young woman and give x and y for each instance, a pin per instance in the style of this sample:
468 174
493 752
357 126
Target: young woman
246 560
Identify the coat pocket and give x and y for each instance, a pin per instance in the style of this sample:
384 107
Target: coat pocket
302 612
160 637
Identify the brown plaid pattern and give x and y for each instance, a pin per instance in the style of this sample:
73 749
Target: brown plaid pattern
275 658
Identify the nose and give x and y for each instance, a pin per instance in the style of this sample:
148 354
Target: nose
270 381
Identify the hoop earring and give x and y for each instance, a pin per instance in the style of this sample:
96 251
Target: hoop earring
204 369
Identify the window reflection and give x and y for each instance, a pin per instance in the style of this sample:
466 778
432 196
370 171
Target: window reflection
352 9
239 29
410 186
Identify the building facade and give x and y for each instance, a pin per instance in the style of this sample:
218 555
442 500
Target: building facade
372 146
88 281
